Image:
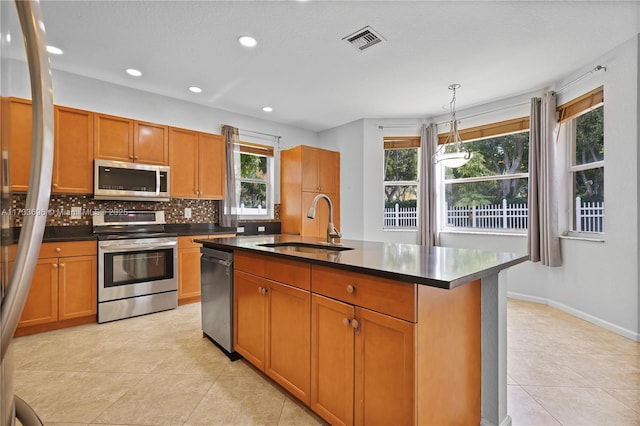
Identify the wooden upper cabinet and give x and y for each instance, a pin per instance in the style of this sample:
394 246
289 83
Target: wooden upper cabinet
19 137
183 148
123 139
197 164
320 170
113 137
150 143
73 158
212 165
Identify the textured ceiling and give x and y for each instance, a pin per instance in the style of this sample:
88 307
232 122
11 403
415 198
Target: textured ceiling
313 79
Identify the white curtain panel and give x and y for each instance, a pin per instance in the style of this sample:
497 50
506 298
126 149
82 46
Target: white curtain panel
230 202
544 238
427 232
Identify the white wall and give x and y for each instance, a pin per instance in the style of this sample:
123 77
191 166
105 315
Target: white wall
94 95
598 281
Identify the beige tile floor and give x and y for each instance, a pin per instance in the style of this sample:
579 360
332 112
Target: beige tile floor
158 370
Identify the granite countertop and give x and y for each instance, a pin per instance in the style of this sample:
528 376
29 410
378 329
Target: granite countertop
198 229
442 267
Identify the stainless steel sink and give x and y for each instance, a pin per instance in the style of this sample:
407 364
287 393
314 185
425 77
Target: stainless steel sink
306 247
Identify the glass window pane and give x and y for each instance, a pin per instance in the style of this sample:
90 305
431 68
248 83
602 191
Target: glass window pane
253 195
501 155
590 137
401 164
491 204
588 192
400 207
253 166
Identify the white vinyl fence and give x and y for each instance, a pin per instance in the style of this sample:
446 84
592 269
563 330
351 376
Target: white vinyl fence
489 216
589 216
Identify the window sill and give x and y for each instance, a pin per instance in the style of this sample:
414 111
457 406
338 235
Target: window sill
599 238
494 232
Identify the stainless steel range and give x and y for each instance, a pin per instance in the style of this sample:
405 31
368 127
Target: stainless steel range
137 264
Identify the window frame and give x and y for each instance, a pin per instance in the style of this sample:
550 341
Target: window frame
478 133
394 143
568 114
248 148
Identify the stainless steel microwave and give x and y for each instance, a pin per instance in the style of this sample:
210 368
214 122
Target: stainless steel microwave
119 180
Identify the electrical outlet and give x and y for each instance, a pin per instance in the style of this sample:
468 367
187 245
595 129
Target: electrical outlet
187 212
76 213
240 229
261 228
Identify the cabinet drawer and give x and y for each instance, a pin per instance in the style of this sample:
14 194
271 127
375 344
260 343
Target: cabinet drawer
378 294
75 248
189 241
274 268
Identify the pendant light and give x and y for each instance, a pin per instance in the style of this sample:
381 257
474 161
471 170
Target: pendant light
462 155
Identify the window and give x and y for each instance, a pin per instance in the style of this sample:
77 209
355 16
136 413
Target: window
490 191
585 119
401 182
254 181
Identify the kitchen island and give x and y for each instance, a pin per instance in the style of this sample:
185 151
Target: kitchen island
375 333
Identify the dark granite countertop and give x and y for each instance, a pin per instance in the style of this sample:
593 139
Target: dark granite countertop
442 267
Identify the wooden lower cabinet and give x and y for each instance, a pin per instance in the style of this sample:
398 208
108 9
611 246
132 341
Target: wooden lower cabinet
381 352
63 289
362 365
273 330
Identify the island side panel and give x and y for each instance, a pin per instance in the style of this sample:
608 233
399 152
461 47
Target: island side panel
449 355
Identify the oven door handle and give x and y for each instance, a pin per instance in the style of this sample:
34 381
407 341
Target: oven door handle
119 247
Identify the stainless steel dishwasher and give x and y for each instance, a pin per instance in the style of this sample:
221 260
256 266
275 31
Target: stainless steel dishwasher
216 284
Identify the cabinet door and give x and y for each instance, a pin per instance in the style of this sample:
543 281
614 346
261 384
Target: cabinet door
183 146
212 166
384 370
73 158
112 137
310 169
329 171
19 143
188 274
77 286
288 345
332 343
249 316
42 303
150 143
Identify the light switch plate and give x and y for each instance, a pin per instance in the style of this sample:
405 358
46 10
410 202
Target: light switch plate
187 212
76 213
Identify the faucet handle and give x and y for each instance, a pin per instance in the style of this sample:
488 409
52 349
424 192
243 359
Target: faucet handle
335 233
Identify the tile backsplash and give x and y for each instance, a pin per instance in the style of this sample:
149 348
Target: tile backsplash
60 212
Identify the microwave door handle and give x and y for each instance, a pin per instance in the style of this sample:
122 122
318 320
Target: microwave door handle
31 23
157 182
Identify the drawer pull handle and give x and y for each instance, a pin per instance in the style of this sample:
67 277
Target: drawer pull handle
346 322
355 324
58 249
350 288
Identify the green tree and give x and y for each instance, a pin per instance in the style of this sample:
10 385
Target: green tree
253 172
400 165
590 148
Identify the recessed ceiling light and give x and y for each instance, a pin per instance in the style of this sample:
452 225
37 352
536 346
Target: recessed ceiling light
54 50
195 89
134 72
247 41
267 109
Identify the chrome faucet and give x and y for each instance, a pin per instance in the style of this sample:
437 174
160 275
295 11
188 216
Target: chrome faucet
332 232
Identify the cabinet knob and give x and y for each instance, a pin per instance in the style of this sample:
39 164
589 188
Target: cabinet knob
62 265
135 157
350 288
55 185
54 265
58 249
355 324
346 322
259 289
131 157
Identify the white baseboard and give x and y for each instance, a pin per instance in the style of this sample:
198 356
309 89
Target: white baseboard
505 422
629 334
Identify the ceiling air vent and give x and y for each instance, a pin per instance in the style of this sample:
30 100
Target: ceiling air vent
364 38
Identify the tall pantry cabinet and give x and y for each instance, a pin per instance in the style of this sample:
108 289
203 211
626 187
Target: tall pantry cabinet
306 172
